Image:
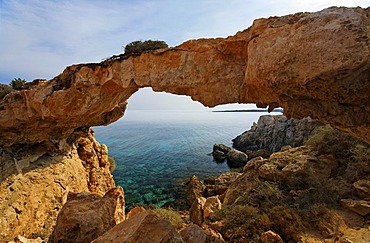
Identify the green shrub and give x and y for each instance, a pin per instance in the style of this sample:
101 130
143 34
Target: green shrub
171 215
112 164
138 47
327 140
17 83
242 220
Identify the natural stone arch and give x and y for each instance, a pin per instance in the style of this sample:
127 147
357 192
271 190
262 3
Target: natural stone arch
311 64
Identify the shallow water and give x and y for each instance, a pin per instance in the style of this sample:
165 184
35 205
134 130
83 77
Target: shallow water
155 150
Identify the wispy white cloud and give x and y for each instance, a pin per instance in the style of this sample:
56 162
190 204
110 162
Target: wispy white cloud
39 38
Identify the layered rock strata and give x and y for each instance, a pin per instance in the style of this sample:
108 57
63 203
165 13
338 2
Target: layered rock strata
311 64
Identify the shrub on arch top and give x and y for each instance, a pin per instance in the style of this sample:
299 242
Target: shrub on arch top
138 47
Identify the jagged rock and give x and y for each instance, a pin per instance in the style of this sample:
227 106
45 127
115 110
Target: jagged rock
194 190
219 152
272 132
236 159
196 211
35 183
271 237
217 185
145 227
195 234
86 216
21 239
362 188
309 71
134 211
211 205
254 164
296 167
360 207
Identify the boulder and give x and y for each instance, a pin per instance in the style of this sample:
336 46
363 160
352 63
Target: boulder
271 237
220 152
211 205
144 227
134 211
194 190
195 234
360 207
217 185
362 189
86 216
196 211
236 158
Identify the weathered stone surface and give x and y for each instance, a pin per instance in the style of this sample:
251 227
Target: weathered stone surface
360 207
86 216
195 234
145 227
271 237
236 158
135 211
211 205
219 152
34 184
362 188
196 211
272 132
311 64
298 167
194 190
217 185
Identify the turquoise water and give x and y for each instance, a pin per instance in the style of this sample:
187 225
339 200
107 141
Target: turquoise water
156 150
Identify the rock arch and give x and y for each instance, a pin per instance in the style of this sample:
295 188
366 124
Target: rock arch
311 64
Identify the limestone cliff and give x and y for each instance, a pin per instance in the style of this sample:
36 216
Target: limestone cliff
35 182
312 64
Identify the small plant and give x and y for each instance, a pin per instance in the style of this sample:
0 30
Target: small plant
171 215
138 47
17 83
112 164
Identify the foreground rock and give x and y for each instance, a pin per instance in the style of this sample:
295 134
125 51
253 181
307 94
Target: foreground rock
86 216
145 227
35 183
272 132
311 64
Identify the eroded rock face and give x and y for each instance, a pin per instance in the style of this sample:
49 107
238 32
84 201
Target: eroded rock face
143 227
272 132
311 64
35 182
86 216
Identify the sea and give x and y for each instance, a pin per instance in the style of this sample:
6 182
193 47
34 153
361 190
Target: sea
156 151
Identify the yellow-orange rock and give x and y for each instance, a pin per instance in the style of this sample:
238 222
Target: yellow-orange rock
311 64
34 184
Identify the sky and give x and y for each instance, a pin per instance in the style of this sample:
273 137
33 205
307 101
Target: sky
39 38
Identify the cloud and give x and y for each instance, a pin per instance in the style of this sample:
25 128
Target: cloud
40 38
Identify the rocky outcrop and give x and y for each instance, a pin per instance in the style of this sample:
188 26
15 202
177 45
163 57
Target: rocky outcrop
234 158
144 227
86 216
311 64
272 132
35 182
